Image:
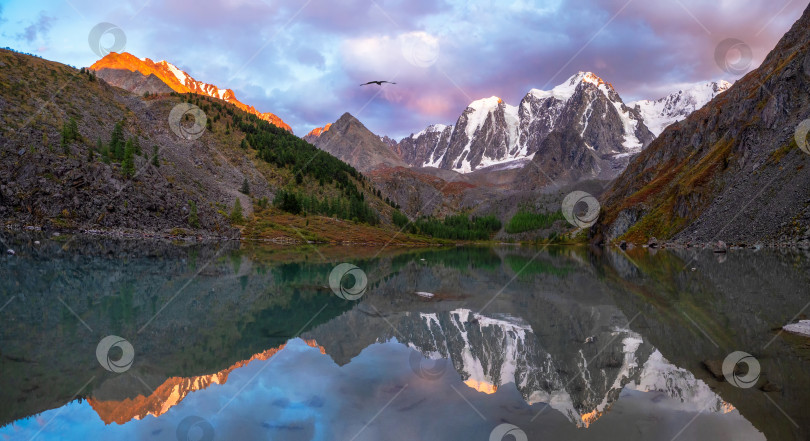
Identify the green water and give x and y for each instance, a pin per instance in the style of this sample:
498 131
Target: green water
563 343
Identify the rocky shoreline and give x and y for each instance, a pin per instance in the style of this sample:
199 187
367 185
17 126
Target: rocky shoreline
188 235
196 236
124 233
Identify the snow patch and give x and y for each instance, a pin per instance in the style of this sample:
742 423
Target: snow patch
434 128
660 113
179 74
801 328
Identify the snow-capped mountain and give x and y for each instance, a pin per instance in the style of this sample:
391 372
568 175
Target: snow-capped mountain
662 112
140 75
491 132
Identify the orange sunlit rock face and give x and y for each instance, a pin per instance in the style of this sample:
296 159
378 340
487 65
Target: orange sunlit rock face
590 417
318 131
592 78
179 81
482 386
172 392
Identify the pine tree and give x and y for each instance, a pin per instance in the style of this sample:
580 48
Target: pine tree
245 187
73 129
65 141
70 133
117 142
236 213
128 163
155 158
193 219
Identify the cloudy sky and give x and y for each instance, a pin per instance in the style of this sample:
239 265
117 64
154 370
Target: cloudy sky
304 59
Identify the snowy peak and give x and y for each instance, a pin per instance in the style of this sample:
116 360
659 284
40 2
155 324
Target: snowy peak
660 113
193 85
486 104
491 132
173 77
566 90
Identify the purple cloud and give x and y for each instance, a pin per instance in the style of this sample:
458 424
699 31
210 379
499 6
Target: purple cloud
36 30
304 60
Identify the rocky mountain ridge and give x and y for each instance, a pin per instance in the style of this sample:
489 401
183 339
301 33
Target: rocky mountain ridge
491 132
732 170
601 132
349 140
138 75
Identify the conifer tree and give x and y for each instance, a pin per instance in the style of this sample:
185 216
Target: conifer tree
236 213
193 218
117 142
128 162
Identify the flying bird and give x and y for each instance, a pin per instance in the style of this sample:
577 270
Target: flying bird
379 83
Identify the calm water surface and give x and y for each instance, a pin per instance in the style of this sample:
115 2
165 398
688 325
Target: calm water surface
250 342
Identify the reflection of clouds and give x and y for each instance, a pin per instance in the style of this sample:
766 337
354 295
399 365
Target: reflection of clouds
301 393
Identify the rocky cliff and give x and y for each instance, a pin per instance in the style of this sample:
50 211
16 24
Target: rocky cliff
734 169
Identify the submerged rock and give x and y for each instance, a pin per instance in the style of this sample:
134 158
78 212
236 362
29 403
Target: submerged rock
770 387
716 368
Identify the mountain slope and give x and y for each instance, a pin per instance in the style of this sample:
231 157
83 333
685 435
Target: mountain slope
135 74
491 132
81 183
349 140
731 170
660 113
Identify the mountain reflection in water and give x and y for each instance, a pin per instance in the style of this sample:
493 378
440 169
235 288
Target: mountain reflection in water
575 346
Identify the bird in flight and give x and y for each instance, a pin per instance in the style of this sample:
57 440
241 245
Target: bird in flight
379 83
